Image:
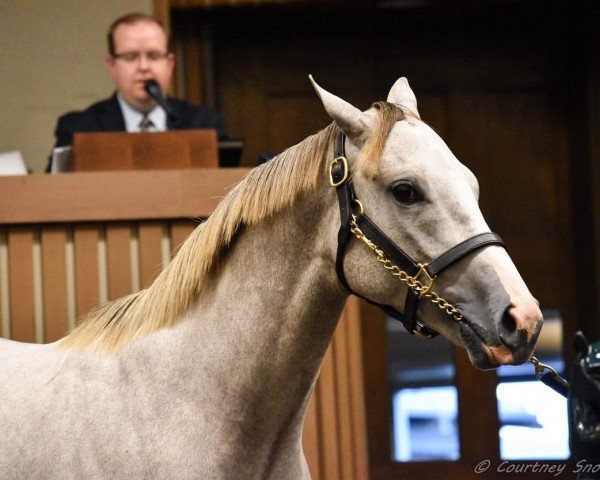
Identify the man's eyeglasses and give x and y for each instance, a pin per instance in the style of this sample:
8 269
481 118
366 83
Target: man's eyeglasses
131 57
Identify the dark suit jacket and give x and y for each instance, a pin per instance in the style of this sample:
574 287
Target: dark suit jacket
106 116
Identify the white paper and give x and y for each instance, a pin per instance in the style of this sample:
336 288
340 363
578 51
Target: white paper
11 163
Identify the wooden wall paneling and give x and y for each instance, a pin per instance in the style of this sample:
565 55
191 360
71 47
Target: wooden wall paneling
118 260
54 281
193 68
180 230
263 51
376 395
135 194
150 235
432 109
310 437
356 393
343 407
474 153
4 298
293 118
477 407
21 284
517 147
243 98
328 419
87 281
335 426
585 188
162 12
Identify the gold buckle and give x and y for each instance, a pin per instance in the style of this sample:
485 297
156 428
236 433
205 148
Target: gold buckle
332 182
361 208
540 367
430 279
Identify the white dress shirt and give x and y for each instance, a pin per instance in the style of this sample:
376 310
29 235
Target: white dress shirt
134 117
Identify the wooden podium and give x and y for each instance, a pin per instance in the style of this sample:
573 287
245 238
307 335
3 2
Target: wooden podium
174 149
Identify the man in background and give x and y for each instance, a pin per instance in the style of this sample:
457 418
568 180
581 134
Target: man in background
138 51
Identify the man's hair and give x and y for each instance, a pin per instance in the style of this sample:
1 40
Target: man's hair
131 19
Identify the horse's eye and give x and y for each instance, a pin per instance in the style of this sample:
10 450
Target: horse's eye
404 192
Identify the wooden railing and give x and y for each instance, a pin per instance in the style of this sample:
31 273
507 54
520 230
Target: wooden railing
72 241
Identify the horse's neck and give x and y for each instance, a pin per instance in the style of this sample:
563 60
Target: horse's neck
276 293
256 337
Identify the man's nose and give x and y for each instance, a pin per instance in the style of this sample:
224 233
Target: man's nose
143 62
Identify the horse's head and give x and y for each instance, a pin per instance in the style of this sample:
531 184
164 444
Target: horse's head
426 202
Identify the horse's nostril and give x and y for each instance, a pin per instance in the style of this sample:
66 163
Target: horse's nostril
511 334
508 322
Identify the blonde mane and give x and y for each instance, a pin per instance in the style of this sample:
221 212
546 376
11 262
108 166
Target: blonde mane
265 191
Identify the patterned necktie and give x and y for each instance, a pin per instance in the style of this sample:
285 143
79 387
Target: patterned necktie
145 124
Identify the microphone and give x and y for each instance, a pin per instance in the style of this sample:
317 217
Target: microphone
153 88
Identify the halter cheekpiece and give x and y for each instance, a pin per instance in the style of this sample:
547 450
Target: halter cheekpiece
419 277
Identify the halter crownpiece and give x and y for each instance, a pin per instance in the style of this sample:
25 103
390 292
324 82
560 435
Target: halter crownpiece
419 277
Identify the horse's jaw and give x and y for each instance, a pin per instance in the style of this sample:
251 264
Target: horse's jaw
501 320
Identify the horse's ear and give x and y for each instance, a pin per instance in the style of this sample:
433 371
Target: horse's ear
401 94
350 119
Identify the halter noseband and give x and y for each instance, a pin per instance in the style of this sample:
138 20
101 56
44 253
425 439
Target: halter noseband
391 255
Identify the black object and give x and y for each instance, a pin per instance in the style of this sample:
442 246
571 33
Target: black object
153 88
584 404
230 152
555 382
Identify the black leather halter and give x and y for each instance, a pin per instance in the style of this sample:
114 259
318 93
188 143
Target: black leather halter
341 179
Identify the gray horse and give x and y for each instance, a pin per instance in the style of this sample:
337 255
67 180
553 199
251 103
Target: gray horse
207 373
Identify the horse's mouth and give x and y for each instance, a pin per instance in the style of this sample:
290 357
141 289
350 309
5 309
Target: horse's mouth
476 349
482 355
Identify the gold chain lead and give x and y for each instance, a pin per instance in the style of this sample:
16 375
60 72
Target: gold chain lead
413 282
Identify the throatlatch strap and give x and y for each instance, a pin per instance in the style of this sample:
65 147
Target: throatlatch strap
345 201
